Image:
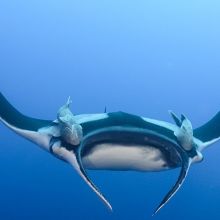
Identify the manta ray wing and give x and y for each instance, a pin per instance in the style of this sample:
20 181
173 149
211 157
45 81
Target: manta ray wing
13 118
25 126
183 173
210 130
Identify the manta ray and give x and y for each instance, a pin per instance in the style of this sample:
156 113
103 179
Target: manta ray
116 141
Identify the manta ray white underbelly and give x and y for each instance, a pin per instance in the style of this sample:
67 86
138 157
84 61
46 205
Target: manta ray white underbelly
115 156
116 141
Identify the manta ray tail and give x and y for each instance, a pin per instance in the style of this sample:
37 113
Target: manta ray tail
184 170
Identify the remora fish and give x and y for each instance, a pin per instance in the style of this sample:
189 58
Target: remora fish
116 141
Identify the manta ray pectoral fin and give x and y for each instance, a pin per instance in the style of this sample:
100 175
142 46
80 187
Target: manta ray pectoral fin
181 178
204 145
52 130
74 159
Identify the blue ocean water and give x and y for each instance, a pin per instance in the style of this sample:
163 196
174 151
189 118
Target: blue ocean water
142 57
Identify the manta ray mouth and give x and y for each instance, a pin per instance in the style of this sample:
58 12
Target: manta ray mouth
169 148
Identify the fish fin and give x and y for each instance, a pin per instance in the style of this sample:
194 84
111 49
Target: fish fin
74 159
56 121
183 173
175 118
184 134
183 117
69 102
